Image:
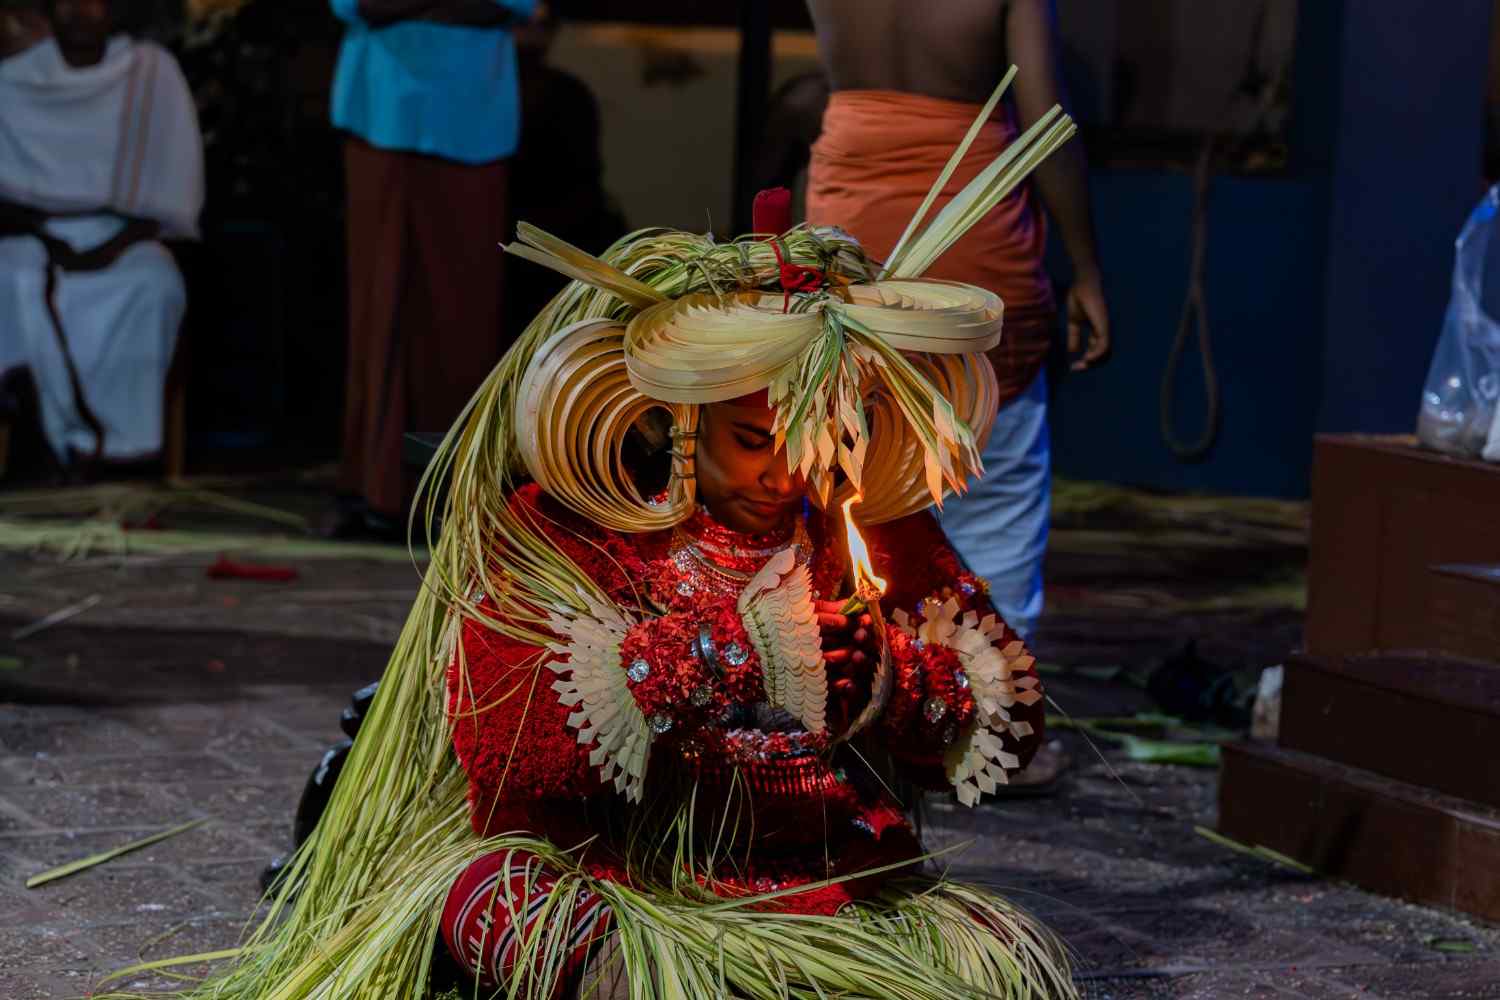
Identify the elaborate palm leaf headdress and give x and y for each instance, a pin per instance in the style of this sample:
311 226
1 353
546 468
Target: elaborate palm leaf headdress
840 347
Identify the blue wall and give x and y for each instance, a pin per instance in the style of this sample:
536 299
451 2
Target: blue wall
1325 289
1406 173
1263 279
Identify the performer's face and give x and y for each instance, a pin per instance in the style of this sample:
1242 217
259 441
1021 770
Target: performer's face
742 478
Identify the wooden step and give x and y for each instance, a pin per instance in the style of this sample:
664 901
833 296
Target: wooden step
1385 514
1463 609
1432 720
1387 836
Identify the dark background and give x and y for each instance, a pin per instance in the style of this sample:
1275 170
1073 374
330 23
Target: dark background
1330 221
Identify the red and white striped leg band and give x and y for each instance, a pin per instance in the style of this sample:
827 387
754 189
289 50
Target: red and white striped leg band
495 907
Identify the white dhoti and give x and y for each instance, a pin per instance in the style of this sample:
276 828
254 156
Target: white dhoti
91 147
121 326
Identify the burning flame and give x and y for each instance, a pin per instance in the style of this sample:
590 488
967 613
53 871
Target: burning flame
865 579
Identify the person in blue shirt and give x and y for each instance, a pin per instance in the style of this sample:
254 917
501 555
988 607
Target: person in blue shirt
426 92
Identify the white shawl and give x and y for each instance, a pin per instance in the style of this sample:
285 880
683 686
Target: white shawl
120 136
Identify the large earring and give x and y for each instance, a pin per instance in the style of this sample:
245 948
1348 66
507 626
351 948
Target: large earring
574 407
685 451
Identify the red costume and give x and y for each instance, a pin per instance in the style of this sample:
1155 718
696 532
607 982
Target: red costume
814 816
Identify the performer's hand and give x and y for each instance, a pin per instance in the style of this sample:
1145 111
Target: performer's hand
1087 310
848 640
851 650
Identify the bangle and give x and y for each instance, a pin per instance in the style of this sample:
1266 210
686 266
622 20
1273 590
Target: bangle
708 653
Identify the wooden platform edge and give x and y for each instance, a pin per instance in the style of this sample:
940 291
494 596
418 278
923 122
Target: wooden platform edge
1424 718
1385 512
1384 835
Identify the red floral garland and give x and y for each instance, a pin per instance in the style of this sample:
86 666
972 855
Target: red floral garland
678 685
906 686
923 671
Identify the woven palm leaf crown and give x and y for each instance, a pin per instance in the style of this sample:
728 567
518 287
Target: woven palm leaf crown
889 374
865 367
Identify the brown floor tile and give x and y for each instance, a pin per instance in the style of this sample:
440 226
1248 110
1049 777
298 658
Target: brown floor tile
233 730
84 808
123 944
165 769
44 983
213 842
44 945
152 897
27 729
1452 979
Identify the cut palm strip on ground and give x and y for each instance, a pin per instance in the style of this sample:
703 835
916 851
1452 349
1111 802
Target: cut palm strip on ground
91 538
83 864
137 502
1287 591
95 521
1199 746
1085 504
1253 850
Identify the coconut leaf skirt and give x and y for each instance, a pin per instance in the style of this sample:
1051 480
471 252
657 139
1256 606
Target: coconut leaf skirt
920 938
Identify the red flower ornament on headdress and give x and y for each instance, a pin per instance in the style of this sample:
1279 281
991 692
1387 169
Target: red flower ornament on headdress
772 214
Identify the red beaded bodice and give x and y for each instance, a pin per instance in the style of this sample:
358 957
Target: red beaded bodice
815 811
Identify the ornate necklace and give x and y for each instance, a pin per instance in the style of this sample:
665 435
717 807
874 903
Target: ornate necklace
720 559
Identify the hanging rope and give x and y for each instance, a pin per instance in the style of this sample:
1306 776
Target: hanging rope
1194 307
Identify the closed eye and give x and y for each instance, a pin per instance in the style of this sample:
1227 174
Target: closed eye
758 443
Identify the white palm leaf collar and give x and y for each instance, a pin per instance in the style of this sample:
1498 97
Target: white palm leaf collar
777 611
594 686
977 762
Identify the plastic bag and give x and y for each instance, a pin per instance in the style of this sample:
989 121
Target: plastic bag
1459 414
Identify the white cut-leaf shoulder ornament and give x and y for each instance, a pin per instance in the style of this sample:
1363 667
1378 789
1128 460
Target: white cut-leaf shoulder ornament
593 684
777 610
977 762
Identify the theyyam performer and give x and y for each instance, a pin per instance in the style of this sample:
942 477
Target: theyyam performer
688 638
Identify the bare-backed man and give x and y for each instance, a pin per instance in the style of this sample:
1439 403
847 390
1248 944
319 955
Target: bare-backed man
908 80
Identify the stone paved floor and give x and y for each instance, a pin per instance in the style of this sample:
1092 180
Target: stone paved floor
178 698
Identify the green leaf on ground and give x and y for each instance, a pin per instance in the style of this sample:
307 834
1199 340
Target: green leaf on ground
11 663
1284 860
1201 750
73 867
1141 720
1214 836
1457 946
1257 851
1167 752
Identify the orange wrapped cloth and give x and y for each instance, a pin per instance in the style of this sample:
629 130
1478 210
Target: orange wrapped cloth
878 155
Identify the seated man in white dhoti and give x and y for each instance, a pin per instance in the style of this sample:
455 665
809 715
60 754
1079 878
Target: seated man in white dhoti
100 157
